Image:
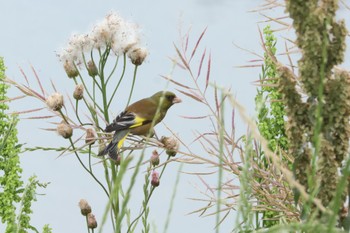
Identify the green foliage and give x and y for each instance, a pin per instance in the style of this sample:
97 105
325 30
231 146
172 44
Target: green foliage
47 229
271 113
318 129
11 185
10 181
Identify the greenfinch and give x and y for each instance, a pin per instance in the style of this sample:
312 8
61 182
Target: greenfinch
138 118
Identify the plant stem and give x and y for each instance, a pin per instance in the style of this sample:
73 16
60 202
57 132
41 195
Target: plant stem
132 85
120 80
83 165
221 128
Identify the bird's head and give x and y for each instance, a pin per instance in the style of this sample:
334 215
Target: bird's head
166 99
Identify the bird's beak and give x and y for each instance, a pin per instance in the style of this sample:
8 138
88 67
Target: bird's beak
177 100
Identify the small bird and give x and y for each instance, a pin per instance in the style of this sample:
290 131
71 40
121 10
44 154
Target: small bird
138 118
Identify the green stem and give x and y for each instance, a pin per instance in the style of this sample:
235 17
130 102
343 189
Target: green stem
104 98
77 115
149 197
87 90
221 128
132 85
120 80
319 119
166 225
86 169
115 203
87 223
86 67
112 72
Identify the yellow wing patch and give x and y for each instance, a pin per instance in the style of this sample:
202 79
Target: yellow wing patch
138 122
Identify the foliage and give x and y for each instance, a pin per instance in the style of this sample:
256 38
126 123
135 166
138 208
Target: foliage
271 116
12 190
318 130
10 181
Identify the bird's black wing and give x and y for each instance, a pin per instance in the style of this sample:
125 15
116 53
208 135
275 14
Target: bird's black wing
126 120
113 147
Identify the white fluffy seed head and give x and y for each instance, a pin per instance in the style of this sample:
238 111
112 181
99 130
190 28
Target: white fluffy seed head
78 93
112 31
137 55
55 101
65 130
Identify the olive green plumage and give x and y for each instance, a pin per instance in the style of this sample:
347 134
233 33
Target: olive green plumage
139 118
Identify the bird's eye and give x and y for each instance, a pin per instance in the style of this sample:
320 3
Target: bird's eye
169 97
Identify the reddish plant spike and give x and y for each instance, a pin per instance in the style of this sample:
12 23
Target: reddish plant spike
176 83
177 63
36 94
71 102
29 111
198 41
12 99
233 120
38 80
24 75
182 58
208 73
53 86
187 39
39 117
201 63
191 95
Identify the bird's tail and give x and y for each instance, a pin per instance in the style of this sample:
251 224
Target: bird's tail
113 147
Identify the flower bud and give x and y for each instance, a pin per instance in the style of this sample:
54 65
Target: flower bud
171 145
70 69
118 160
84 206
78 93
155 179
155 158
55 101
92 69
64 130
91 222
90 136
137 55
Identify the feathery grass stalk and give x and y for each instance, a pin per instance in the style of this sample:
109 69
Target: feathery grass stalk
128 192
115 203
337 200
148 198
172 200
115 193
244 216
221 128
146 226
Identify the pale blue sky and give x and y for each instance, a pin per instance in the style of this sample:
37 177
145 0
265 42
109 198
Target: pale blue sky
33 30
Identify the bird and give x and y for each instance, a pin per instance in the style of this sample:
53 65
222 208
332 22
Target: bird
138 118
